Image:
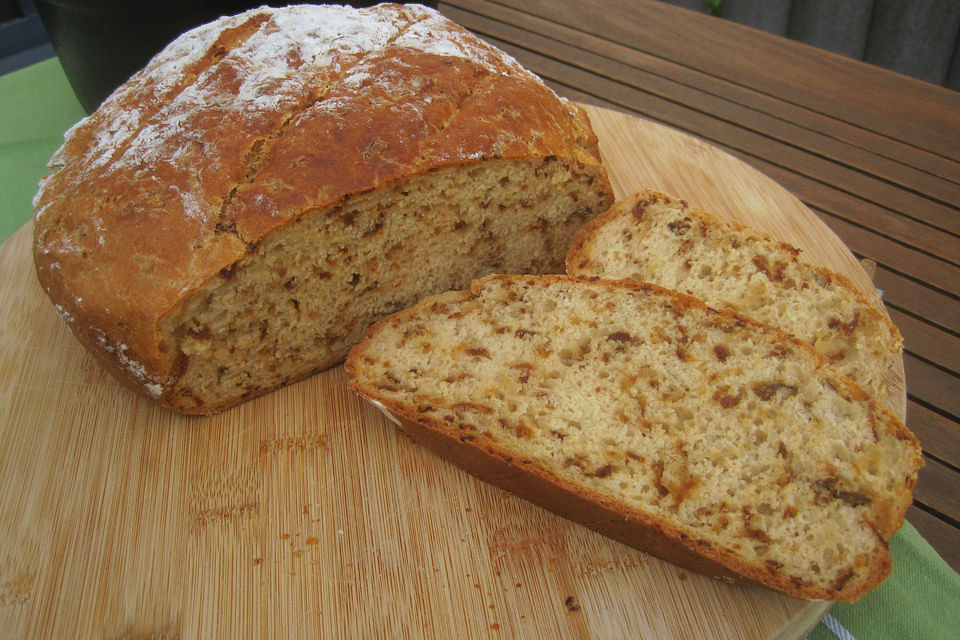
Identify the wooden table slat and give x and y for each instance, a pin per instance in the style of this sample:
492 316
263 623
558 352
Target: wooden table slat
872 218
846 89
928 341
942 536
907 294
933 272
938 487
634 73
932 385
939 436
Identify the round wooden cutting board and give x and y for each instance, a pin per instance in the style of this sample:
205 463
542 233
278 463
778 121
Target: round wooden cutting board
307 514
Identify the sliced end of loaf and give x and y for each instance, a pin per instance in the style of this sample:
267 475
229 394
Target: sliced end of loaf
653 237
307 292
698 435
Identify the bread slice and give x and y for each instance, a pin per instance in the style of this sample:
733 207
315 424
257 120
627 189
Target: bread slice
653 237
717 443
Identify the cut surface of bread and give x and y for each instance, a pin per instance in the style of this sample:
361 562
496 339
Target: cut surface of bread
234 216
717 443
653 237
307 293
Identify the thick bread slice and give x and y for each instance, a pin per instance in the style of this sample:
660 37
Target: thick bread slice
715 442
653 237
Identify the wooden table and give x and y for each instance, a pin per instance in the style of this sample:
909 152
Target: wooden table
875 154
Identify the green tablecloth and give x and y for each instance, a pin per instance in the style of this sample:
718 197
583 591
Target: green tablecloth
920 600
36 107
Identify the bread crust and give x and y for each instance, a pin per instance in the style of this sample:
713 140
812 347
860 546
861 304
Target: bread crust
490 462
247 124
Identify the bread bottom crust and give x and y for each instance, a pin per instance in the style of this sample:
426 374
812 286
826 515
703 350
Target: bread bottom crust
542 488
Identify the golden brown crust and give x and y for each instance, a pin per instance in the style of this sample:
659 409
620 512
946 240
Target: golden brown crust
489 461
246 124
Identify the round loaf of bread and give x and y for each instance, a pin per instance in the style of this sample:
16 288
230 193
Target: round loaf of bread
237 214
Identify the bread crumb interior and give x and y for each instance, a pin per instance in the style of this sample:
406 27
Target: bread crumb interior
309 291
666 243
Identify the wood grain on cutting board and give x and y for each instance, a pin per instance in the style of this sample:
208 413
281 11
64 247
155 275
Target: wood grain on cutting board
305 513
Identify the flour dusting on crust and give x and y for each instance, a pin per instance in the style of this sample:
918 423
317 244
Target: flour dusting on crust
295 50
